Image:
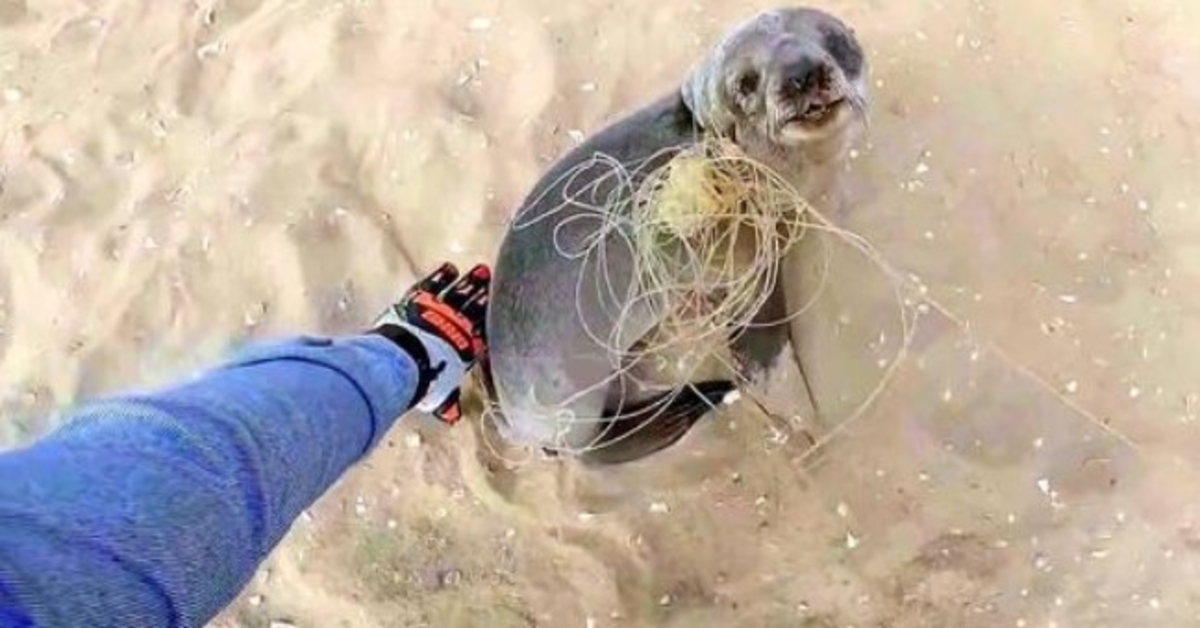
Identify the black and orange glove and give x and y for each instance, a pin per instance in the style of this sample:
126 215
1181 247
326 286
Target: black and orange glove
440 323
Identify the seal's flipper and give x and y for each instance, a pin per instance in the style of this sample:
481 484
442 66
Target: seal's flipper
640 429
757 346
775 378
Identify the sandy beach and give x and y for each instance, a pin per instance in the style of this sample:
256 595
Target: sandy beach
179 178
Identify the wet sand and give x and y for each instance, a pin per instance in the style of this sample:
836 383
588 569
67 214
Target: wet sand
179 178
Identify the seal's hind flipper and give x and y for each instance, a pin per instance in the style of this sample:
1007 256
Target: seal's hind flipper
652 425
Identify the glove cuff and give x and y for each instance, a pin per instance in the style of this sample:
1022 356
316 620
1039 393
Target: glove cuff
412 345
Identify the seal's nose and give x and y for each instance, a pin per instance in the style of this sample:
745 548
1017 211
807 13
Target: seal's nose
805 75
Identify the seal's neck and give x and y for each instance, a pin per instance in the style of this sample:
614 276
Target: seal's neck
814 169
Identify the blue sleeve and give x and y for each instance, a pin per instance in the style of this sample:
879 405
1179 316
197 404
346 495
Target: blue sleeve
156 509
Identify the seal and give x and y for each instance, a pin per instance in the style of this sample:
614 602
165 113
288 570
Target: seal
789 87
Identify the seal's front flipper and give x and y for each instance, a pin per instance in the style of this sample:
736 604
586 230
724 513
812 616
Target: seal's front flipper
757 345
638 430
773 377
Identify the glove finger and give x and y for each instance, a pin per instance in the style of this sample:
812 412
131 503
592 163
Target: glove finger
475 310
438 280
481 274
450 411
469 286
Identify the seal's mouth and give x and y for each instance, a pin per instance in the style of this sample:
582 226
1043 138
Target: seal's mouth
817 113
810 102
814 119
812 96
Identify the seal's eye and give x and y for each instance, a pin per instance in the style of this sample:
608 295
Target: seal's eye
747 83
844 49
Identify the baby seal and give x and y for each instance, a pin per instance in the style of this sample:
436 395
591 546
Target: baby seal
789 87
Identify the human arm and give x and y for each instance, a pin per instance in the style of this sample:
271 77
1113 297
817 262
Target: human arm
155 509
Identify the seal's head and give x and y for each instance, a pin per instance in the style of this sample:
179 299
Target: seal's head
788 78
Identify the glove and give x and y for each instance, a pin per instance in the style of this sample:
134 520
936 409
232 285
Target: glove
439 322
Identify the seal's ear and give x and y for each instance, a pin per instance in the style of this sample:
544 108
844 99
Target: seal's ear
702 93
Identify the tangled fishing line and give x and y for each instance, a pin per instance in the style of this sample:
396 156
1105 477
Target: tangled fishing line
709 230
705 228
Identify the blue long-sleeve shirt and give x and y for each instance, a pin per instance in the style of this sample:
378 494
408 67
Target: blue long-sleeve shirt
156 509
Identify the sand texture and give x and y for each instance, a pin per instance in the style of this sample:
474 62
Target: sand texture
180 177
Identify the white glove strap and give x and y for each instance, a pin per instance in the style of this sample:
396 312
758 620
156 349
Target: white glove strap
444 361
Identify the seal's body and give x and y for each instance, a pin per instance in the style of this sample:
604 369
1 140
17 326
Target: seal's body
788 86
